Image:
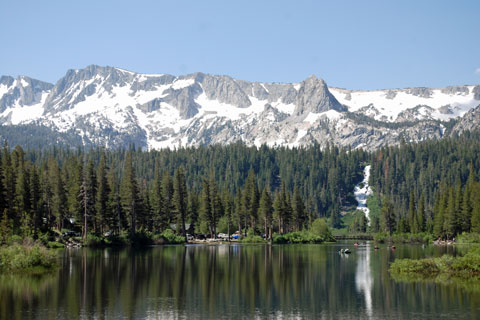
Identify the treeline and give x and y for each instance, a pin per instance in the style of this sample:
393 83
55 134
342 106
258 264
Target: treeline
195 190
430 186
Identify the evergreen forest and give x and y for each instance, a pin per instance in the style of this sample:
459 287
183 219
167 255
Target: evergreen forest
430 186
191 190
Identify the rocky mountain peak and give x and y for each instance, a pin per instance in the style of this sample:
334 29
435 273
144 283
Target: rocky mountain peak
313 96
22 91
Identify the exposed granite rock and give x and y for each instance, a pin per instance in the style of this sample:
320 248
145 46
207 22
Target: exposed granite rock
476 92
184 100
313 96
463 90
420 92
23 91
223 89
391 94
446 109
470 121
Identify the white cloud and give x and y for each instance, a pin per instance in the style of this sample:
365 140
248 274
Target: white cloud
477 71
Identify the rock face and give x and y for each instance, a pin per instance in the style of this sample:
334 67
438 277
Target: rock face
313 96
23 91
114 107
469 122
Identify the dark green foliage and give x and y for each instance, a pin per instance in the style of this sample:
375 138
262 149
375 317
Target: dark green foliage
464 267
20 258
265 213
180 200
431 185
426 187
252 239
388 221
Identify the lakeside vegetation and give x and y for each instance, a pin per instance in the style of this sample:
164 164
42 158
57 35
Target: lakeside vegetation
27 258
442 269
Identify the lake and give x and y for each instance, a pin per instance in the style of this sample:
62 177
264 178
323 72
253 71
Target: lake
233 282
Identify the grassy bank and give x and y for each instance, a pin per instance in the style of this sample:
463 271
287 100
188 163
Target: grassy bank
466 267
27 258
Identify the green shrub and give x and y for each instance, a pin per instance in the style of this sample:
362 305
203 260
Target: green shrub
117 240
381 237
15 239
412 238
298 237
320 228
410 266
472 237
17 258
93 240
141 239
444 267
169 237
55 245
252 239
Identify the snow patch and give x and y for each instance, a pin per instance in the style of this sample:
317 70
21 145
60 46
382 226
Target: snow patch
219 109
3 89
330 114
391 108
23 82
183 83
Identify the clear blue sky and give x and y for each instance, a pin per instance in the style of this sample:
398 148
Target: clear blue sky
351 44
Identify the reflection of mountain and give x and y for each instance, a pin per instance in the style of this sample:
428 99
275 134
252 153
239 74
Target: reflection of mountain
363 277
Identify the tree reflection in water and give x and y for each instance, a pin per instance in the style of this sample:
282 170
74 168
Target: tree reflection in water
230 281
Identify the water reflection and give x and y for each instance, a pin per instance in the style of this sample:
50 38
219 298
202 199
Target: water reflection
229 282
363 276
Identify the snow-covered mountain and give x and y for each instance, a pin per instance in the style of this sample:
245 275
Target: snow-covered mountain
113 107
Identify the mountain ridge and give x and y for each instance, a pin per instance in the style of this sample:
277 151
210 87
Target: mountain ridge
110 106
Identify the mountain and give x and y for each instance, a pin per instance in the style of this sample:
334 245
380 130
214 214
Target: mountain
115 107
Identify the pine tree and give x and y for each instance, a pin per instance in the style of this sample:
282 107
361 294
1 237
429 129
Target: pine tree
167 195
281 209
420 216
251 199
129 194
8 182
206 205
5 228
228 208
91 182
475 196
58 195
35 195
411 226
193 210
450 220
388 217
22 197
75 181
298 210
180 198
116 220
102 194
266 212
158 202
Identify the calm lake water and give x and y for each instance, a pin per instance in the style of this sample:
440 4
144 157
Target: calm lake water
233 282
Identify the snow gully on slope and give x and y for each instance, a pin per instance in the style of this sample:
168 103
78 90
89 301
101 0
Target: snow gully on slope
362 191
